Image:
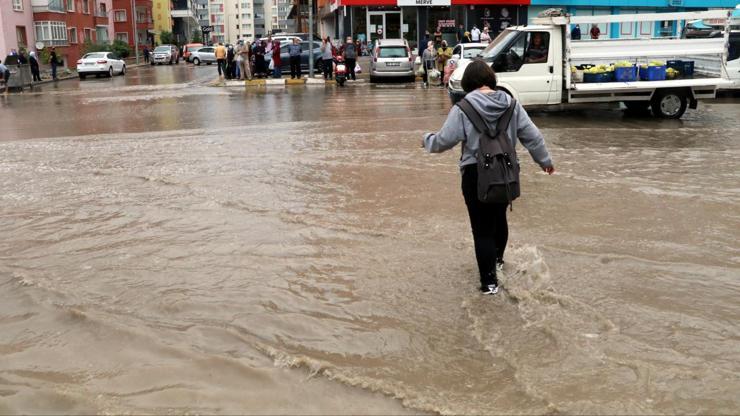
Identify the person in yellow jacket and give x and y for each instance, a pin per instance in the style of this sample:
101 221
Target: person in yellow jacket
220 53
444 53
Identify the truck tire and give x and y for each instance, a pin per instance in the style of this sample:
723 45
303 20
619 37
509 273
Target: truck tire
669 104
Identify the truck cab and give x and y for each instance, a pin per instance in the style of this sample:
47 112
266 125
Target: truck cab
528 64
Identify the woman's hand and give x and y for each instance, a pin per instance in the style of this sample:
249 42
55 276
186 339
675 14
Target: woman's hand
549 170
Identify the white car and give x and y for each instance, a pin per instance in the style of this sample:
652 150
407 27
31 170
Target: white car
462 54
100 63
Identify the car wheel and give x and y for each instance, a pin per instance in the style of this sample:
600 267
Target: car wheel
373 79
177 61
110 72
153 63
123 70
83 76
669 104
196 61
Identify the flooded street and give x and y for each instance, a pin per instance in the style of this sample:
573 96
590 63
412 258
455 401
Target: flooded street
179 248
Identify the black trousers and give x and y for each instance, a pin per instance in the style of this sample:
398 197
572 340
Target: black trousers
328 65
221 64
351 68
490 228
295 67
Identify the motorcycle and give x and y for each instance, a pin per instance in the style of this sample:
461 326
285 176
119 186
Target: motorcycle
340 71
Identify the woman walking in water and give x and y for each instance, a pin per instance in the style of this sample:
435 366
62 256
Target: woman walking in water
487 220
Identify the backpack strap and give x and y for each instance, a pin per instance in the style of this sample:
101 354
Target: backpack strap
474 116
503 122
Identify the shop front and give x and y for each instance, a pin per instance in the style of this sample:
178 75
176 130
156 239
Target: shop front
369 20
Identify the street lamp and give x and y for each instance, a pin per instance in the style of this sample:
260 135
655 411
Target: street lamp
135 32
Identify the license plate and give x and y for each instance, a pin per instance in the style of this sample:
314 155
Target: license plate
89 63
393 64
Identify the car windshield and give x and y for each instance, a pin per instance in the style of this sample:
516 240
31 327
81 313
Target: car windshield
471 52
502 41
162 49
96 55
392 52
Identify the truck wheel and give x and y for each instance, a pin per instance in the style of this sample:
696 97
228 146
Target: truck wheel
637 106
669 104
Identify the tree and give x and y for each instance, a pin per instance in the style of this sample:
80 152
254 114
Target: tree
197 36
166 38
121 48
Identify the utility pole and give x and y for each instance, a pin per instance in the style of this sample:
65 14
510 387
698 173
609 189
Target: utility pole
136 33
310 38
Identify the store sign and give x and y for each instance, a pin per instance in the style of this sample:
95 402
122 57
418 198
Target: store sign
424 2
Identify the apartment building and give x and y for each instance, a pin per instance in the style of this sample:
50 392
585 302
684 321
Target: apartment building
16 26
68 24
124 20
162 17
184 20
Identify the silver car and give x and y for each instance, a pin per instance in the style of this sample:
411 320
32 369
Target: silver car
391 59
165 54
203 55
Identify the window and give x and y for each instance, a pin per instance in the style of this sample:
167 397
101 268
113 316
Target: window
119 16
522 48
72 36
88 35
101 34
122 36
20 34
51 33
56 5
86 6
70 5
103 11
18 5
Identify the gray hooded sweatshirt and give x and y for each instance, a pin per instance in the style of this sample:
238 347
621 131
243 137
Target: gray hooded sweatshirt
458 128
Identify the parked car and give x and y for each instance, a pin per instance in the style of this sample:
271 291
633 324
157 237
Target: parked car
190 47
391 58
205 55
466 51
165 54
285 58
100 63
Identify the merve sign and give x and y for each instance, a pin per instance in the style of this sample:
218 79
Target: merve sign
424 2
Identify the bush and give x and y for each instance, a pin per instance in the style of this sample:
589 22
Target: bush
166 38
121 48
197 36
118 47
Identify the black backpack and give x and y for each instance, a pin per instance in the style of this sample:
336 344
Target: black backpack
498 166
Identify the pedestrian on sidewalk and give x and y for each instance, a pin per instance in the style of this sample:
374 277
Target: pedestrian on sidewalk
277 62
444 53
146 54
475 34
349 53
485 37
245 70
427 61
5 73
294 54
327 58
230 65
259 59
53 61
34 63
487 219
221 59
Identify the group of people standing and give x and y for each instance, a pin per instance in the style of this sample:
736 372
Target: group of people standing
32 60
347 53
248 60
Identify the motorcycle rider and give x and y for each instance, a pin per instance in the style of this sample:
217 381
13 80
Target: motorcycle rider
349 52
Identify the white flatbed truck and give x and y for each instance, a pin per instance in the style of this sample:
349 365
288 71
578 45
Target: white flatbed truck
537 80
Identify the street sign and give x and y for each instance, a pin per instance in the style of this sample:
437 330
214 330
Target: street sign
206 29
423 2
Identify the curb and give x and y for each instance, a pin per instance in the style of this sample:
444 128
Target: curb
283 82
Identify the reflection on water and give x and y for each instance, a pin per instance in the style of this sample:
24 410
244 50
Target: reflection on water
290 251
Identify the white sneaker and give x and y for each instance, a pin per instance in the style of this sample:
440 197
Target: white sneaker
490 290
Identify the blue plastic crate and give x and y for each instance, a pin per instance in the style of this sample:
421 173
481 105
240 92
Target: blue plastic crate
625 74
602 77
652 73
685 68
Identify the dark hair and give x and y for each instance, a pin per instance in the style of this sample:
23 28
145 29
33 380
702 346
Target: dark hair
478 74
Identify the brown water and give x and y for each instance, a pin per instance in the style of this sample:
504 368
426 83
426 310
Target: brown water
188 249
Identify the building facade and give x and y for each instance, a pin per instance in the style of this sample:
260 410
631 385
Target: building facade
16 26
69 24
161 17
184 20
630 29
368 20
124 20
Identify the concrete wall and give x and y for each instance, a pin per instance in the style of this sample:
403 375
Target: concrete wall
9 20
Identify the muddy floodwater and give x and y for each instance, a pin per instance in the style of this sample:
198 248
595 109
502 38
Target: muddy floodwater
180 248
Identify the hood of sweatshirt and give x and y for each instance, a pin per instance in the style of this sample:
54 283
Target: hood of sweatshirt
490 106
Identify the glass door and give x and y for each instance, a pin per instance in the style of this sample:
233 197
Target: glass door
375 26
392 25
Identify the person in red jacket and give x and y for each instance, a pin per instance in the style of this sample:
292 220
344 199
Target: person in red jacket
276 71
595 32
